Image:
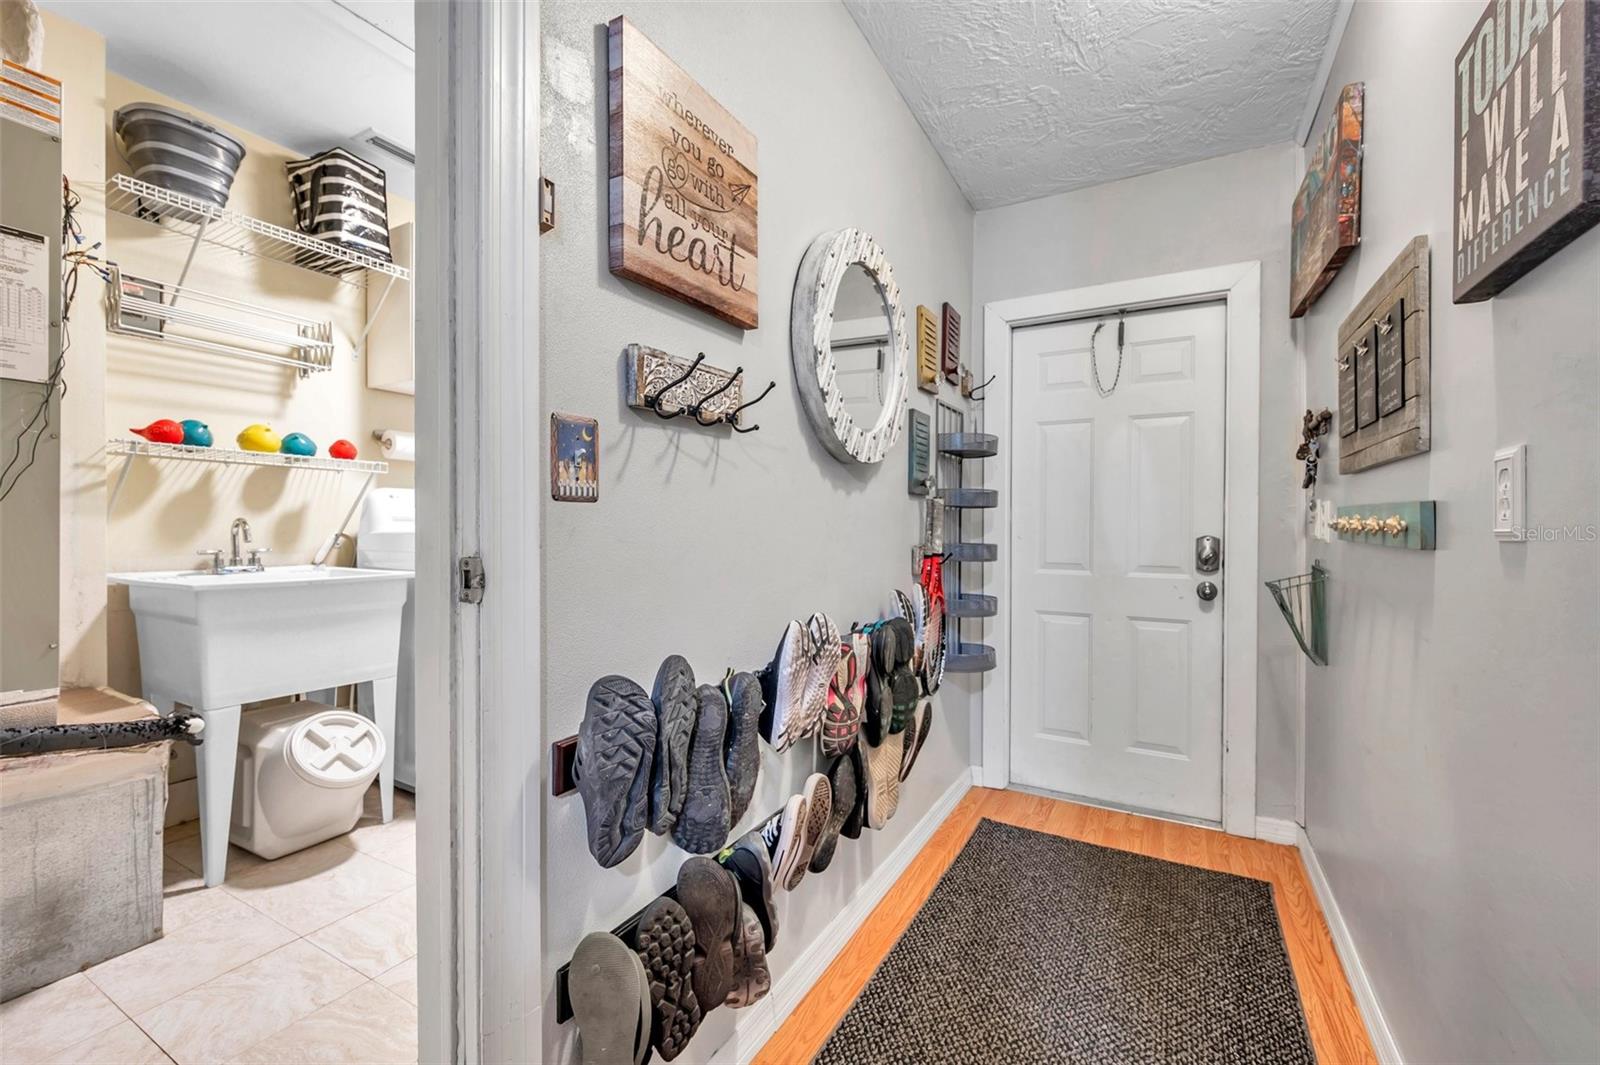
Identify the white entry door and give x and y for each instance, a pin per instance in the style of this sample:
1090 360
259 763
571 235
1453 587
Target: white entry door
1116 661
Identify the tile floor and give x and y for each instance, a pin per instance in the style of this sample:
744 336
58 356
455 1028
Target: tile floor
310 958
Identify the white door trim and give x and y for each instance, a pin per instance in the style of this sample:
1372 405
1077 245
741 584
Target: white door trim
477 279
1239 284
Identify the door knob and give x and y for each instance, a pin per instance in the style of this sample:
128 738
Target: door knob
1206 591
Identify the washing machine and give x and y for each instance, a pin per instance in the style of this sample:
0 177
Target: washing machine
387 539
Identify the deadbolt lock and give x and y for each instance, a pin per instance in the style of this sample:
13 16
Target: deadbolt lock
1207 554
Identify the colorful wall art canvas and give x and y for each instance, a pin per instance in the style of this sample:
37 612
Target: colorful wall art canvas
1325 225
574 459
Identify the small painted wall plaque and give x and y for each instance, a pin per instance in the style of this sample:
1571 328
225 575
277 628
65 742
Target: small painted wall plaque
574 459
927 350
950 351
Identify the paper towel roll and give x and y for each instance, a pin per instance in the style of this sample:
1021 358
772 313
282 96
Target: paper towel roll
398 446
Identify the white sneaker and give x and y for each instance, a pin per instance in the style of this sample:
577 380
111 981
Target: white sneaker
784 686
823 648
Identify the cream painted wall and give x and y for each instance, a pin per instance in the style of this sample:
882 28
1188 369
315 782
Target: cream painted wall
166 509
78 57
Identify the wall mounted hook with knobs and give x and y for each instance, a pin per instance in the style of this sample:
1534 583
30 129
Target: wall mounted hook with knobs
1407 525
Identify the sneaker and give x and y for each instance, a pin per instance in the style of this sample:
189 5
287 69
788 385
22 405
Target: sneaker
813 825
783 686
911 611
916 736
825 653
674 700
702 826
841 722
750 862
752 978
883 779
742 751
708 894
665 943
616 748
842 781
781 835
856 818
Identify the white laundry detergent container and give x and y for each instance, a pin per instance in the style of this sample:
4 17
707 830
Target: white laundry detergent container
302 773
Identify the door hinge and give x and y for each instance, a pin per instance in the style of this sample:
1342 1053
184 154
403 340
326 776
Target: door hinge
472 580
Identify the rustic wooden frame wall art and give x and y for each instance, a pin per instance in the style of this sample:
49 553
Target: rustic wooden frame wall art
1383 367
1325 221
683 191
1527 135
927 350
950 352
816 288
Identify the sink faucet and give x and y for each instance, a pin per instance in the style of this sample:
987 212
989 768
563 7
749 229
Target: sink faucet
239 534
240 528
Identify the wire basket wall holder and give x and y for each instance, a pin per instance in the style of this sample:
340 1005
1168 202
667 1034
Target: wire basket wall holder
1303 601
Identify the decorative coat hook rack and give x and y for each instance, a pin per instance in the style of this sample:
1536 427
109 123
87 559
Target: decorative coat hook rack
669 387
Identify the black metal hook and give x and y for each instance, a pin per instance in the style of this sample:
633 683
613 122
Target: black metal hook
732 417
654 402
695 410
974 393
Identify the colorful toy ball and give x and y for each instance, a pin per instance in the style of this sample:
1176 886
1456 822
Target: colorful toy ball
342 449
259 437
196 433
161 431
298 444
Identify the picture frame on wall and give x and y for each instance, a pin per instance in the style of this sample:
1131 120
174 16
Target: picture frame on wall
1325 221
1527 137
574 458
682 186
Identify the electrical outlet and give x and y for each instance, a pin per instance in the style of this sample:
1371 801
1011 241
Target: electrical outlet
1511 493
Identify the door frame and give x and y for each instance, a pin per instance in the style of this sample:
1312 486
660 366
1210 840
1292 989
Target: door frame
1239 285
479 801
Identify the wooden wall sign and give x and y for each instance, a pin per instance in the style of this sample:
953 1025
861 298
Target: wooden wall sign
950 352
1382 365
683 183
927 350
1325 223
1527 135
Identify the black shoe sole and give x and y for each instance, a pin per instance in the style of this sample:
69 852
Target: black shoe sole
704 821
674 699
665 942
616 748
708 894
742 759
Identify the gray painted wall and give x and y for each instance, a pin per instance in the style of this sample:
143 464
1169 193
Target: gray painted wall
703 543
1230 209
1451 749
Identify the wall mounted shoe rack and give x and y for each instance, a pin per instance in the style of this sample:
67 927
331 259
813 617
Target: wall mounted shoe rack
956 449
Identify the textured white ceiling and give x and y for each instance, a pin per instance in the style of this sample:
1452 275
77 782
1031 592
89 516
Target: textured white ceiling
1025 99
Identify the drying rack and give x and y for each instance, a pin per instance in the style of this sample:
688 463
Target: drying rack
132 449
235 231
1303 601
132 312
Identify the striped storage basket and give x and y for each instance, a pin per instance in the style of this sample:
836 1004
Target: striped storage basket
343 200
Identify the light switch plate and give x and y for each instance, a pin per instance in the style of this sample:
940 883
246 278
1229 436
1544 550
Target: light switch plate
1511 493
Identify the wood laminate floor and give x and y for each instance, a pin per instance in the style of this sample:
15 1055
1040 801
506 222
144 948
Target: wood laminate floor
1331 1014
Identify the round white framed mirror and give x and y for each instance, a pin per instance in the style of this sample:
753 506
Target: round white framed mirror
851 351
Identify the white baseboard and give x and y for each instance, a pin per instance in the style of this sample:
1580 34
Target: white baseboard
1277 830
759 1023
1383 1043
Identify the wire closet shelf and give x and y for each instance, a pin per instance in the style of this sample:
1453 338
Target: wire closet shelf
238 232
1303 601
234 457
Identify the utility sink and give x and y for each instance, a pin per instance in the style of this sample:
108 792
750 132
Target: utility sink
221 638
214 642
